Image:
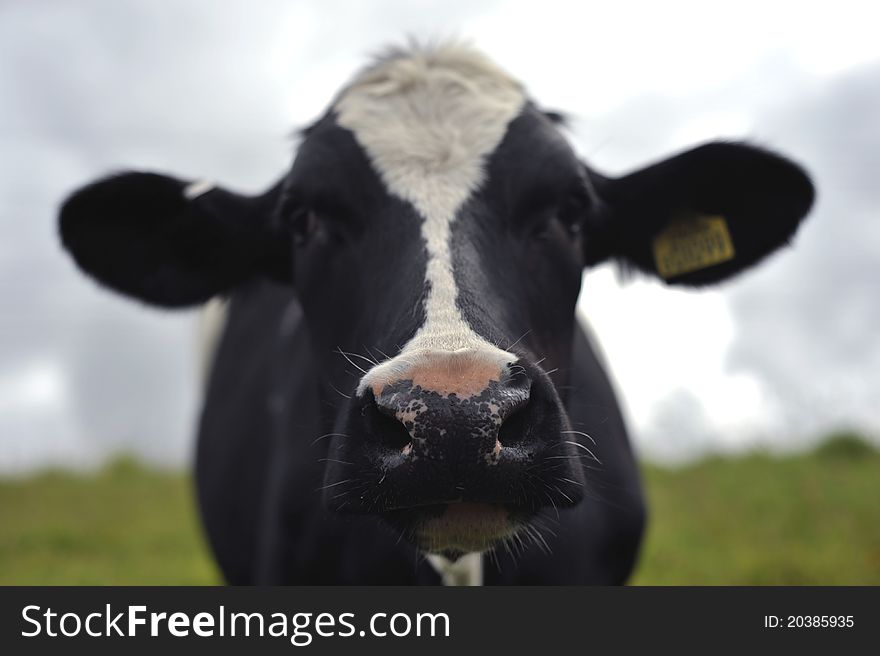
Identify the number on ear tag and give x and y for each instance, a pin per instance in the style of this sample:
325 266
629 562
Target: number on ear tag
692 243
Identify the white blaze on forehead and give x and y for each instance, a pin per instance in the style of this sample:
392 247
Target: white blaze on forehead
428 119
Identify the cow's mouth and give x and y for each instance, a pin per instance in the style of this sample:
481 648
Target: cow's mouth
453 529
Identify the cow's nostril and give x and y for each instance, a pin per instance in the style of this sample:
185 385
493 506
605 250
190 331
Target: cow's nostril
514 429
382 424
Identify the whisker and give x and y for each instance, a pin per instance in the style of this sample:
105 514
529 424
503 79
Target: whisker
574 432
362 357
510 346
506 542
350 361
539 540
342 394
375 359
493 557
538 521
326 487
552 503
570 500
579 445
325 436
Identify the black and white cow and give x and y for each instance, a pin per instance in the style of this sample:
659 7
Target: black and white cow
401 373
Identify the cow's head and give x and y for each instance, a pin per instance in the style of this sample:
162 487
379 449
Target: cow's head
435 225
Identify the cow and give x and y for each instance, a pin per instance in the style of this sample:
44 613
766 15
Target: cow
401 393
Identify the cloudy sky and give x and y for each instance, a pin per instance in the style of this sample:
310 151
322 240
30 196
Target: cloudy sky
214 88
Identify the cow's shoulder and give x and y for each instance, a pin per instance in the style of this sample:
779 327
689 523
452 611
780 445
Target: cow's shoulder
235 445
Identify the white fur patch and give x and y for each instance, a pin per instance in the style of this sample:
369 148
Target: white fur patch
428 120
210 323
197 188
467 570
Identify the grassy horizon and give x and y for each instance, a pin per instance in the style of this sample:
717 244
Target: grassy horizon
811 519
806 519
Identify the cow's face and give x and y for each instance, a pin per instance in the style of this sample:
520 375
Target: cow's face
438 217
435 225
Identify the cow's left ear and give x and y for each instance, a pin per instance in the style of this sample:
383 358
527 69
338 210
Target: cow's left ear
701 216
173 243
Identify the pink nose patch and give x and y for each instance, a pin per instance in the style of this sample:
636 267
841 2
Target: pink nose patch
463 374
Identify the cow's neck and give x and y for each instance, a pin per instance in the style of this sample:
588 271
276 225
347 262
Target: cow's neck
467 570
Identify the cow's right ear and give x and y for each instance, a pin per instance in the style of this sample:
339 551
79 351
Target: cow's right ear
701 216
173 243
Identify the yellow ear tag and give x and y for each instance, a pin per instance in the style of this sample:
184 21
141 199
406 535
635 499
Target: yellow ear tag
691 243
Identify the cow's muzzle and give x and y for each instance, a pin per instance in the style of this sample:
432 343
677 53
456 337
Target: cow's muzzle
455 453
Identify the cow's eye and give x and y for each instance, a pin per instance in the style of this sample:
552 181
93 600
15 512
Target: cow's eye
573 224
303 225
573 211
568 213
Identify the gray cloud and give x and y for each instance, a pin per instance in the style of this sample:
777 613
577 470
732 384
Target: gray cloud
809 326
681 428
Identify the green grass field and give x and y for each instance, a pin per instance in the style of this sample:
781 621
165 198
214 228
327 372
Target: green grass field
808 519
